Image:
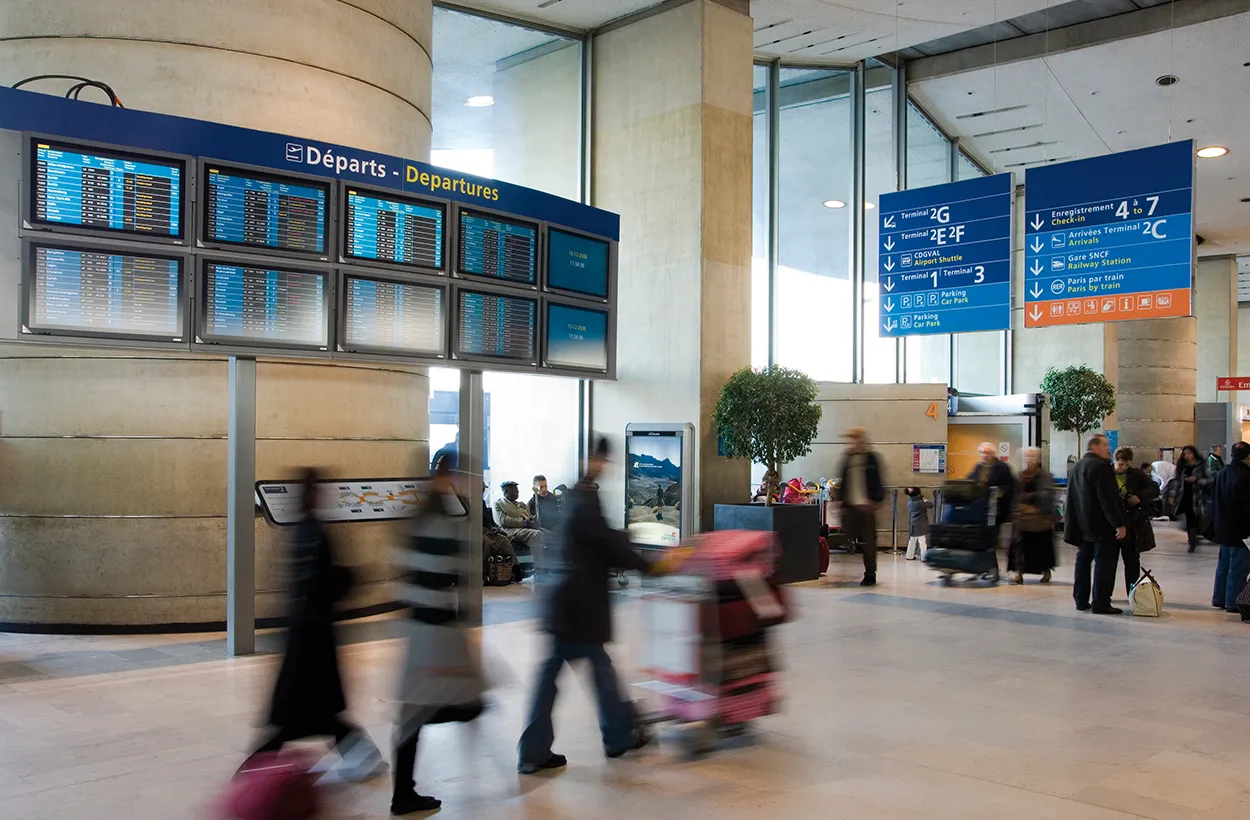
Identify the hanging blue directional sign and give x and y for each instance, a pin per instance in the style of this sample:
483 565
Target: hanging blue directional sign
1110 238
945 258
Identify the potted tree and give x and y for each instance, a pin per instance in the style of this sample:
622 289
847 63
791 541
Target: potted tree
769 415
1080 399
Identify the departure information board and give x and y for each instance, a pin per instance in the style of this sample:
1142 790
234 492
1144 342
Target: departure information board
577 263
576 337
392 316
498 248
105 292
498 326
246 208
106 191
388 229
248 302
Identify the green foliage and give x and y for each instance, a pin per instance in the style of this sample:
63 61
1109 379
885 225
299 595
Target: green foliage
1080 398
767 415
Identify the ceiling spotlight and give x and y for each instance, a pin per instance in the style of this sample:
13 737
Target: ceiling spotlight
479 101
1212 151
1167 79
833 203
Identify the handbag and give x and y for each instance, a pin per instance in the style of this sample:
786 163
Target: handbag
1033 519
271 786
1141 532
1146 596
1243 602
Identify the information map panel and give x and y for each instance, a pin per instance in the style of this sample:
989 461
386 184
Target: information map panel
577 263
257 210
498 326
498 248
576 337
106 191
392 316
399 231
104 292
246 302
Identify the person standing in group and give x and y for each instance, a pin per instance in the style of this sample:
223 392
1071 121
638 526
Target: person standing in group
1231 528
579 621
1033 521
308 696
1192 472
863 490
442 679
1137 490
1215 460
918 508
1093 523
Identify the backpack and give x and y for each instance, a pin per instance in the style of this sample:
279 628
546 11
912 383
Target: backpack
1146 596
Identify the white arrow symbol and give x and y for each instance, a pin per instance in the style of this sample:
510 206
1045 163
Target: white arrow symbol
889 264
1035 314
889 285
889 222
889 325
1037 222
1037 268
1036 246
889 305
889 244
1036 291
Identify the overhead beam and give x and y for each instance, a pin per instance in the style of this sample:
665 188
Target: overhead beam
1082 35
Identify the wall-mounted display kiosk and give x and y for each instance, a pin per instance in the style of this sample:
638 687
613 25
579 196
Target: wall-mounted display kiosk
257 209
576 337
497 248
388 316
250 302
393 230
578 264
495 326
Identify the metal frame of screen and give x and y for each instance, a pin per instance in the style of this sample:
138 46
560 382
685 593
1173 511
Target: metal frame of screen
50 332
436 357
497 362
381 264
502 216
609 353
259 172
210 342
186 194
577 294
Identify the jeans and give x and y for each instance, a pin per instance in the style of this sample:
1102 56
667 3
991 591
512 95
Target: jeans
1104 557
1230 576
616 717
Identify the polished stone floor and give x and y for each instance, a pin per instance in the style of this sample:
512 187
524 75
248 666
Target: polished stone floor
907 701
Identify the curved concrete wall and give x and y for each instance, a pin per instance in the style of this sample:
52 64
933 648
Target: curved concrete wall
112 510
1158 377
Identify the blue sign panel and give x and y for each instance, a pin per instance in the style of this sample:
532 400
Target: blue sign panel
945 258
1110 238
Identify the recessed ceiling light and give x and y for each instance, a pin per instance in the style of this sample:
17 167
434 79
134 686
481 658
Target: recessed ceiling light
479 101
1167 79
1212 151
869 205
833 203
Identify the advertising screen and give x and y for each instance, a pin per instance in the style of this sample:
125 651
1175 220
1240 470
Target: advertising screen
106 191
390 229
253 303
576 337
502 327
392 316
577 263
653 481
263 211
498 248
107 293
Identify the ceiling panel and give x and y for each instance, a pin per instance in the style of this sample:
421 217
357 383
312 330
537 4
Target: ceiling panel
580 14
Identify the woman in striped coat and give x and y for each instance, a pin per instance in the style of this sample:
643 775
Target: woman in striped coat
442 676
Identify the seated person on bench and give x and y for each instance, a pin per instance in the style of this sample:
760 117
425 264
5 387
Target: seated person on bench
518 523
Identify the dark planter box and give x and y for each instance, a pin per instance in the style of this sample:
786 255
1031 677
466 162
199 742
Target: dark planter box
797 527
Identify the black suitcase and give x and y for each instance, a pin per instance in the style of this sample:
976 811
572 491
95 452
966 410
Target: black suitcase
969 537
973 563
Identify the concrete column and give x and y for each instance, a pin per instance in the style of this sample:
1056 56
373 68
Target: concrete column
1158 383
114 510
1215 306
672 155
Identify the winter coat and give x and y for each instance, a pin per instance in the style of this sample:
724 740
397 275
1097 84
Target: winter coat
1232 505
1143 486
1093 511
999 476
874 484
918 516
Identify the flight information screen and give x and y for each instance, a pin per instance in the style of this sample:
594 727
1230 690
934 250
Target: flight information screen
258 303
500 249
386 229
499 326
392 315
102 190
245 208
576 337
577 263
105 292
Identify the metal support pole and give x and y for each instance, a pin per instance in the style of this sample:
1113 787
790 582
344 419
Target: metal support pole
773 101
469 482
858 210
241 509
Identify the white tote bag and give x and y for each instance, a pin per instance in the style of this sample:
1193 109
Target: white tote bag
1146 596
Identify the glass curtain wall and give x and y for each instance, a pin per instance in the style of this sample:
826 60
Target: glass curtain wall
880 177
760 229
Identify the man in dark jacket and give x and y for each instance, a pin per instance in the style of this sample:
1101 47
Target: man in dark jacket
863 490
1093 522
1232 528
579 620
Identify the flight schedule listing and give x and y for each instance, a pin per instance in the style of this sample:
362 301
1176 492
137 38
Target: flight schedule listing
243 209
394 230
394 315
264 304
498 249
110 293
92 189
492 325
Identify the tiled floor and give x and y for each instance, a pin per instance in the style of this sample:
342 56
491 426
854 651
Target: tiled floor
908 701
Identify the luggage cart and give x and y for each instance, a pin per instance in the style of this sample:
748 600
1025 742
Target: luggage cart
966 540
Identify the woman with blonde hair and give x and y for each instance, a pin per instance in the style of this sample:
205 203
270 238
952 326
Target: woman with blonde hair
1033 521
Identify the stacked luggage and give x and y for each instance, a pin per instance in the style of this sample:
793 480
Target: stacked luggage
964 541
